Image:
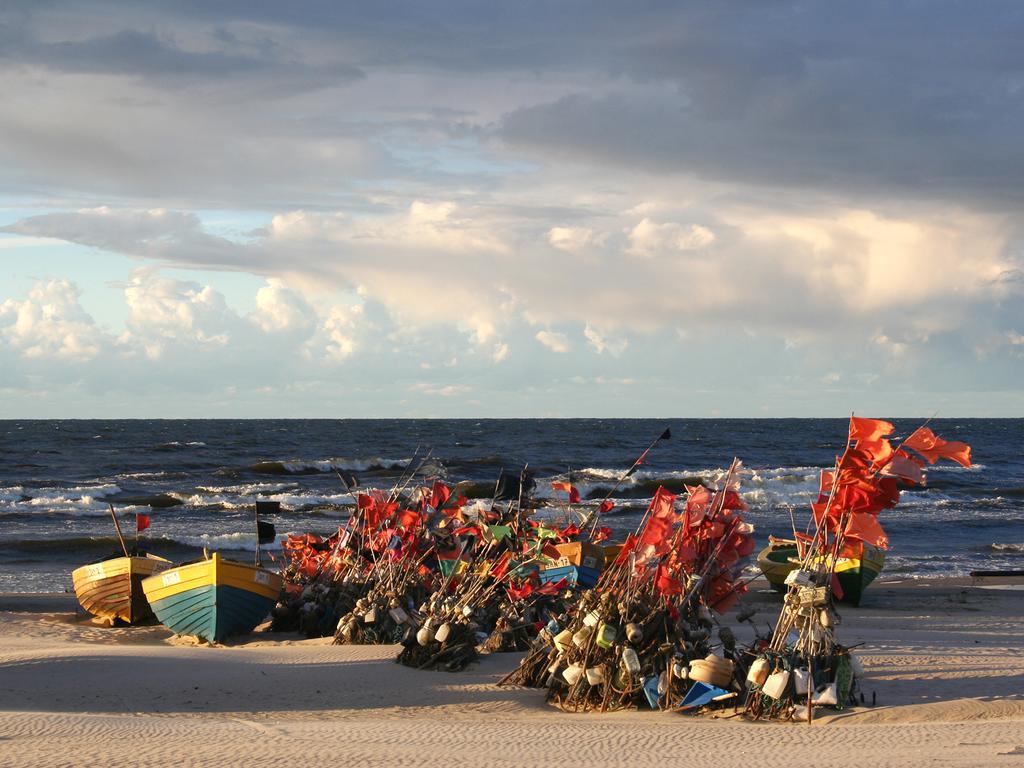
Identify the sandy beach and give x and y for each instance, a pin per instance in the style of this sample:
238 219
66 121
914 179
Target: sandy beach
944 664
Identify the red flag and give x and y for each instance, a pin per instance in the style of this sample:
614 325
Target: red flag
518 593
854 459
574 494
606 506
658 526
869 430
141 522
439 495
408 519
550 551
825 483
663 503
627 548
553 588
665 583
698 499
601 534
837 587
500 567
569 531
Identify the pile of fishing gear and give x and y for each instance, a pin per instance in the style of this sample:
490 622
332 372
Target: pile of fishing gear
803 667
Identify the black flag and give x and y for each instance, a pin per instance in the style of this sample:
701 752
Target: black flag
268 508
666 434
510 487
265 532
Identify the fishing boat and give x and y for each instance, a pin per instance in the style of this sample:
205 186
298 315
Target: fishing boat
214 598
112 589
578 563
854 573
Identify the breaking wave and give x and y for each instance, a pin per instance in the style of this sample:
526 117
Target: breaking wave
304 467
1006 549
87 547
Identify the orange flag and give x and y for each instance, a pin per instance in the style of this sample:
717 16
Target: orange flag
869 430
865 527
933 447
880 451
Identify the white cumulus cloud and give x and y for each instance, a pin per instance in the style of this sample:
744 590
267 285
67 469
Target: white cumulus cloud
50 323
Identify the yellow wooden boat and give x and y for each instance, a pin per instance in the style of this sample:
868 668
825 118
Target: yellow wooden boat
854 573
112 589
213 598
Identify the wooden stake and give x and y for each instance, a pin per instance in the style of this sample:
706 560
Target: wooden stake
117 527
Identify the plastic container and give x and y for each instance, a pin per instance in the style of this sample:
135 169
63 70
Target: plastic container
758 672
606 634
371 616
631 661
826 696
801 681
572 673
595 675
775 685
582 636
562 640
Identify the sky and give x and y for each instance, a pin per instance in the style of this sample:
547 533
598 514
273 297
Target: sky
475 209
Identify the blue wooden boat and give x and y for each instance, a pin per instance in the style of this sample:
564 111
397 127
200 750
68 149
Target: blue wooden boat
213 599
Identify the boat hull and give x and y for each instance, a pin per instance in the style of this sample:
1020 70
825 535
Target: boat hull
854 573
112 589
213 599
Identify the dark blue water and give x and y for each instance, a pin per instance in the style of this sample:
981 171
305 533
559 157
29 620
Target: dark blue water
56 478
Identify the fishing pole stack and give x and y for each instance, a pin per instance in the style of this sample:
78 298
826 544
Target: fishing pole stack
804 666
398 550
475 560
645 636
318 583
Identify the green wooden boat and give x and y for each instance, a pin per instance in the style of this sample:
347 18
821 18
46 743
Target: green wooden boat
854 573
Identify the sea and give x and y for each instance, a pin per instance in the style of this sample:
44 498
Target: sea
198 481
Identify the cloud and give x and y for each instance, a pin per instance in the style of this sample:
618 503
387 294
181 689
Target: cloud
281 309
556 342
165 311
810 189
574 239
600 343
50 323
649 238
340 327
449 390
